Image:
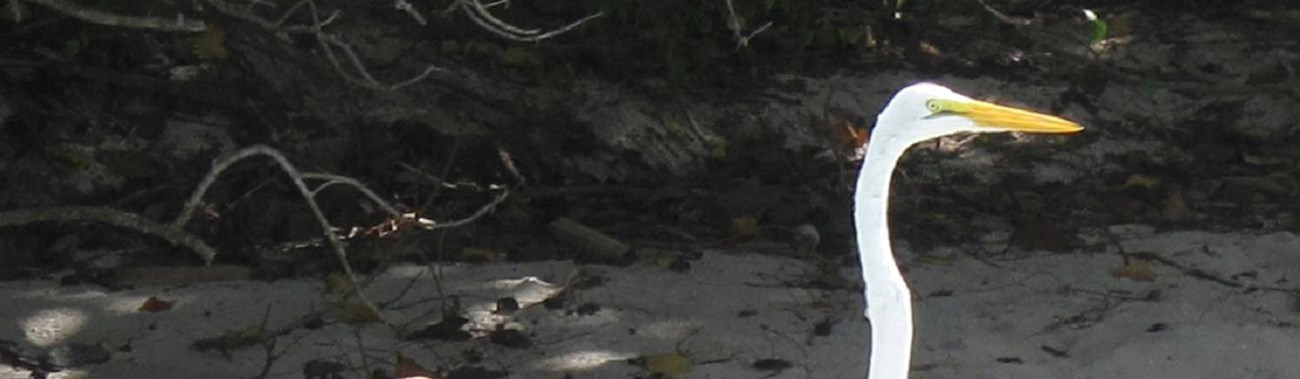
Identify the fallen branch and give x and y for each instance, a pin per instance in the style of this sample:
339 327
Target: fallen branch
309 195
340 54
327 230
600 247
109 216
174 232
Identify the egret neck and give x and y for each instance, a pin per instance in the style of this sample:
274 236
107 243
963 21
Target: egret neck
889 303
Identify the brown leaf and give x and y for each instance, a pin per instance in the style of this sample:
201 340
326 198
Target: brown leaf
408 369
355 313
1135 270
477 255
850 136
1140 181
155 305
745 226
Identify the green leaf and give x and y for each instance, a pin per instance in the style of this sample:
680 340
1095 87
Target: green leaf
1099 28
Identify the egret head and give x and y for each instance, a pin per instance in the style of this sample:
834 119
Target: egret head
924 111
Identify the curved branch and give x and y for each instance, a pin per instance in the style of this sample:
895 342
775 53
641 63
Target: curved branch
479 13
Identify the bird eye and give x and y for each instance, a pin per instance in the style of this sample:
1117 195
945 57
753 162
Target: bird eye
932 105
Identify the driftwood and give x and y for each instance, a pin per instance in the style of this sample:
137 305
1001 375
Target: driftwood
599 247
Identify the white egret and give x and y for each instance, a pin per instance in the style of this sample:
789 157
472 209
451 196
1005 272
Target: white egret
917 113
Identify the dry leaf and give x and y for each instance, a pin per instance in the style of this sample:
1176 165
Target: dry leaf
408 369
359 313
212 211
744 226
1141 181
1176 209
851 136
665 262
1136 270
477 255
211 45
669 364
861 136
155 305
930 48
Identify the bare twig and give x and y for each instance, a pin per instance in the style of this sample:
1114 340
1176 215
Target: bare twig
509 163
404 6
734 23
95 16
329 43
16 11
331 179
1003 17
434 225
350 65
359 74
309 195
432 179
479 13
246 13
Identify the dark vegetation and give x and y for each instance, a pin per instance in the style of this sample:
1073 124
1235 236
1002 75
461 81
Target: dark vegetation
89 115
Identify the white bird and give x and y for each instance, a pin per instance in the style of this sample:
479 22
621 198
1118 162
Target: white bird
917 113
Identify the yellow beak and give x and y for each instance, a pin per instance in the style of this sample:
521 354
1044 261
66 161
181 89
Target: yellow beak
1012 119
